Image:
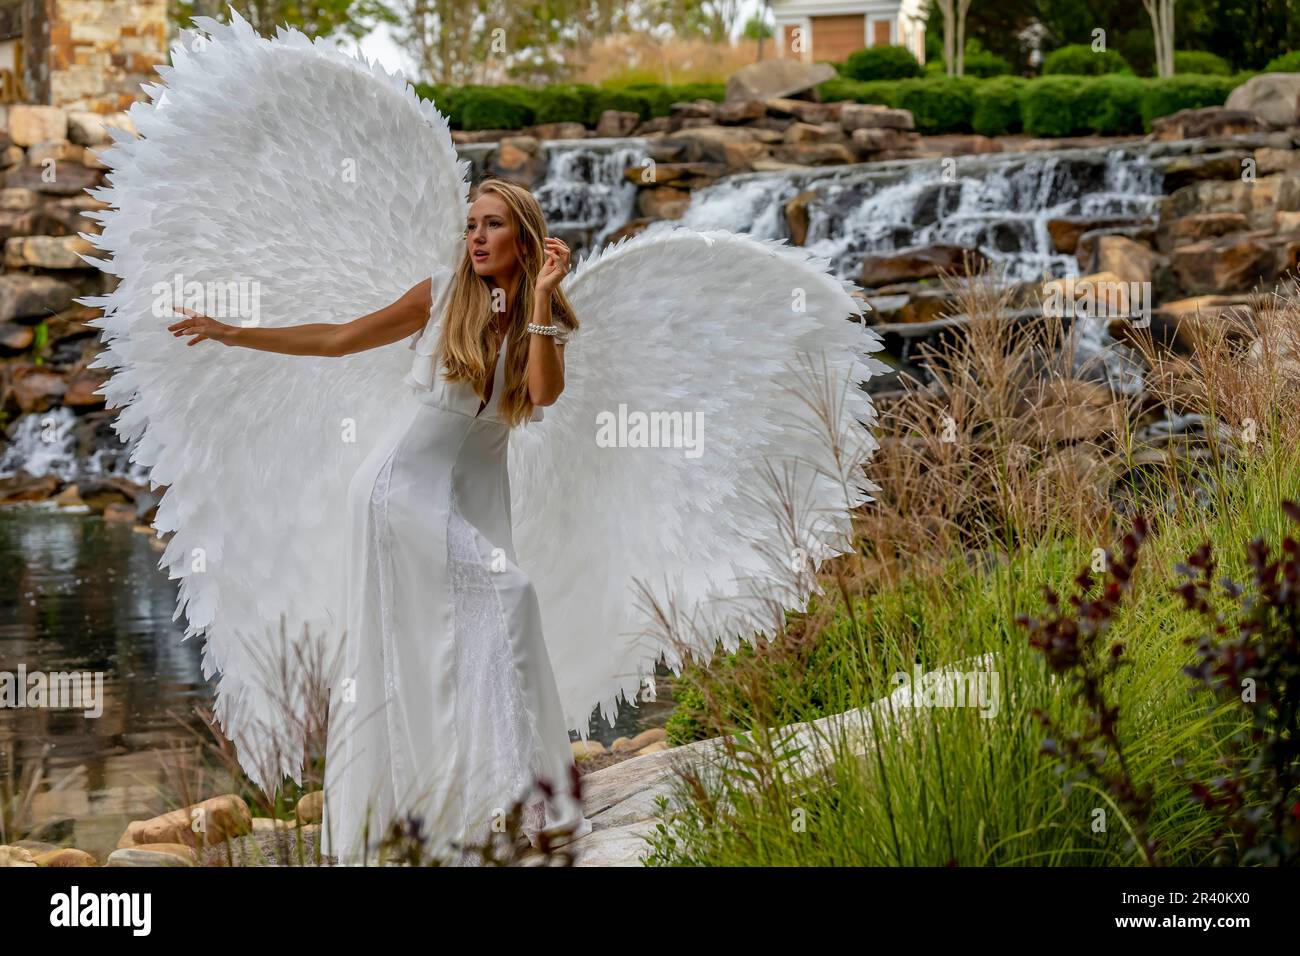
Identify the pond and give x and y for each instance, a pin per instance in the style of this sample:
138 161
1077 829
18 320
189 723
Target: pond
78 593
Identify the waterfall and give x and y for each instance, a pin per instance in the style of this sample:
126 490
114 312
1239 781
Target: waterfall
585 194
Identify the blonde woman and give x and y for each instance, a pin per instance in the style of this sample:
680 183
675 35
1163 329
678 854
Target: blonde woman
495 536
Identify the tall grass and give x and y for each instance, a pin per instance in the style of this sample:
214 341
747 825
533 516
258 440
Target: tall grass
1001 475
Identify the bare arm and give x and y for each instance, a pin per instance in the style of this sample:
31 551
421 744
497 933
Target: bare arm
545 358
397 320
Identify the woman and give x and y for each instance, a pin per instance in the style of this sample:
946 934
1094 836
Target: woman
449 709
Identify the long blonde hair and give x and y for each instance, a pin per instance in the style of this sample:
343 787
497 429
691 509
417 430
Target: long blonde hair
465 344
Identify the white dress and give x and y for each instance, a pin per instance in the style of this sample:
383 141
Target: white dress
454 711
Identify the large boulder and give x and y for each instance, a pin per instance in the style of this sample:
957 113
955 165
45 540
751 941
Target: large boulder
919 262
1273 97
778 77
1206 122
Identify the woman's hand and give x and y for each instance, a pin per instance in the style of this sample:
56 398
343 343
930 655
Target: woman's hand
201 327
554 268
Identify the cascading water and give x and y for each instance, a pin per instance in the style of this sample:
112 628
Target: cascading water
585 194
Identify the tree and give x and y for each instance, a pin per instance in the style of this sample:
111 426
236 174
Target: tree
954 34
1161 13
316 18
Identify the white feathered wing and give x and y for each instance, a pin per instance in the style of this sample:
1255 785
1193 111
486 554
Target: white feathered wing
638 552
329 184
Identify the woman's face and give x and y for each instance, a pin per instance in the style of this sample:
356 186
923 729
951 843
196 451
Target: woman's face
490 236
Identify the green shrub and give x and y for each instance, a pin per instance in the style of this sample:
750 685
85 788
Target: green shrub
997 106
938 104
1286 63
450 101
1198 61
1079 59
881 63
560 103
624 100
1052 106
1166 95
982 63
1112 105
498 107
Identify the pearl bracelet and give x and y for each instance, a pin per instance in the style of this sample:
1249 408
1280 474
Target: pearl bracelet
543 329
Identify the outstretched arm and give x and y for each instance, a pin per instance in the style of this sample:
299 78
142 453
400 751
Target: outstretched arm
394 321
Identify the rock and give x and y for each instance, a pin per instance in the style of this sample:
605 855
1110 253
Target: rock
263 824
36 388
1205 122
663 202
808 133
796 216
655 126
1194 228
1085 252
25 487
695 109
1258 200
1269 161
310 807
741 111
800 110
69 498
653 748
57 150
617 123
66 217
777 77
155 854
959 144
708 143
1181 170
518 159
1131 261
1273 97
19 199
647 737
101 494
813 154
15 856
872 143
874 116
219 818
31 296
1287 222
16 338
1236 262
568 130
685 175
1188 318
919 262
628 230
1066 230
582 749
67 856
48 252
87 128
68 179
118 513
29 125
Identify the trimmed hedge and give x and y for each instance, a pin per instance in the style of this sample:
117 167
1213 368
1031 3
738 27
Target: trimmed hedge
1197 61
881 63
984 64
1062 105
1079 59
1286 63
997 106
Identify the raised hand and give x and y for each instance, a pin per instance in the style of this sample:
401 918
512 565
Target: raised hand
201 327
554 268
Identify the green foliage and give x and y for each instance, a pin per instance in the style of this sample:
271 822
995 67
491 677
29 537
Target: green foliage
938 105
1079 59
1286 63
499 107
1112 105
982 63
626 100
561 103
1199 61
881 63
997 106
1052 106
1167 95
